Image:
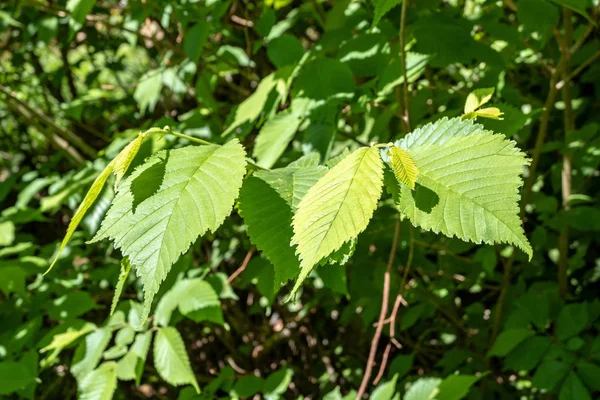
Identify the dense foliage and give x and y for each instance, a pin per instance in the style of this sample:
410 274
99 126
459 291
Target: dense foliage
284 199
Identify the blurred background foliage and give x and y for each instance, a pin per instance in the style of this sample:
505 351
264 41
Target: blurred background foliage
80 78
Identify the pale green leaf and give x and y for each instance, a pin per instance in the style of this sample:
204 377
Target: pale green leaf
403 166
125 268
169 201
87 202
188 295
382 7
119 165
337 208
489 112
125 157
171 360
422 389
62 340
95 343
131 366
6 17
147 91
385 391
278 132
468 183
126 367
7 233
99 384
477 98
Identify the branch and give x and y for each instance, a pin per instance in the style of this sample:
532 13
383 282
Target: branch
63 132
384 307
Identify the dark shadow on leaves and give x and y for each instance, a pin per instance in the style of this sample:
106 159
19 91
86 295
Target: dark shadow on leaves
148 182
425 198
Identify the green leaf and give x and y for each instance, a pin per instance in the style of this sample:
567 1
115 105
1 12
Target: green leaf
248 385
147 91
325 78
549 374
573 388
99 384
194 40
455 387
337 208
579 6
468 183
277 133
573 319
508 340
250 109
267 200
119 165
14 376
79 10
538 16
62 340
171 360
385 391
87 202
403 166
527 355
285 50
188 295
131 365
589 373
7 233
477 98
277 383
490 112
125 157
422 389
95 343
125 268
382 7
401 364
169 201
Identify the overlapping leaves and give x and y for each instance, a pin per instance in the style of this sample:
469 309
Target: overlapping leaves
468 183
176 196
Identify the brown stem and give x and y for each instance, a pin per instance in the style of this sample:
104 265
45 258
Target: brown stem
242 267
384 307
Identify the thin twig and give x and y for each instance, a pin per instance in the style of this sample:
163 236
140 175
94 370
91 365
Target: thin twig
63 132
242 267
384 307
